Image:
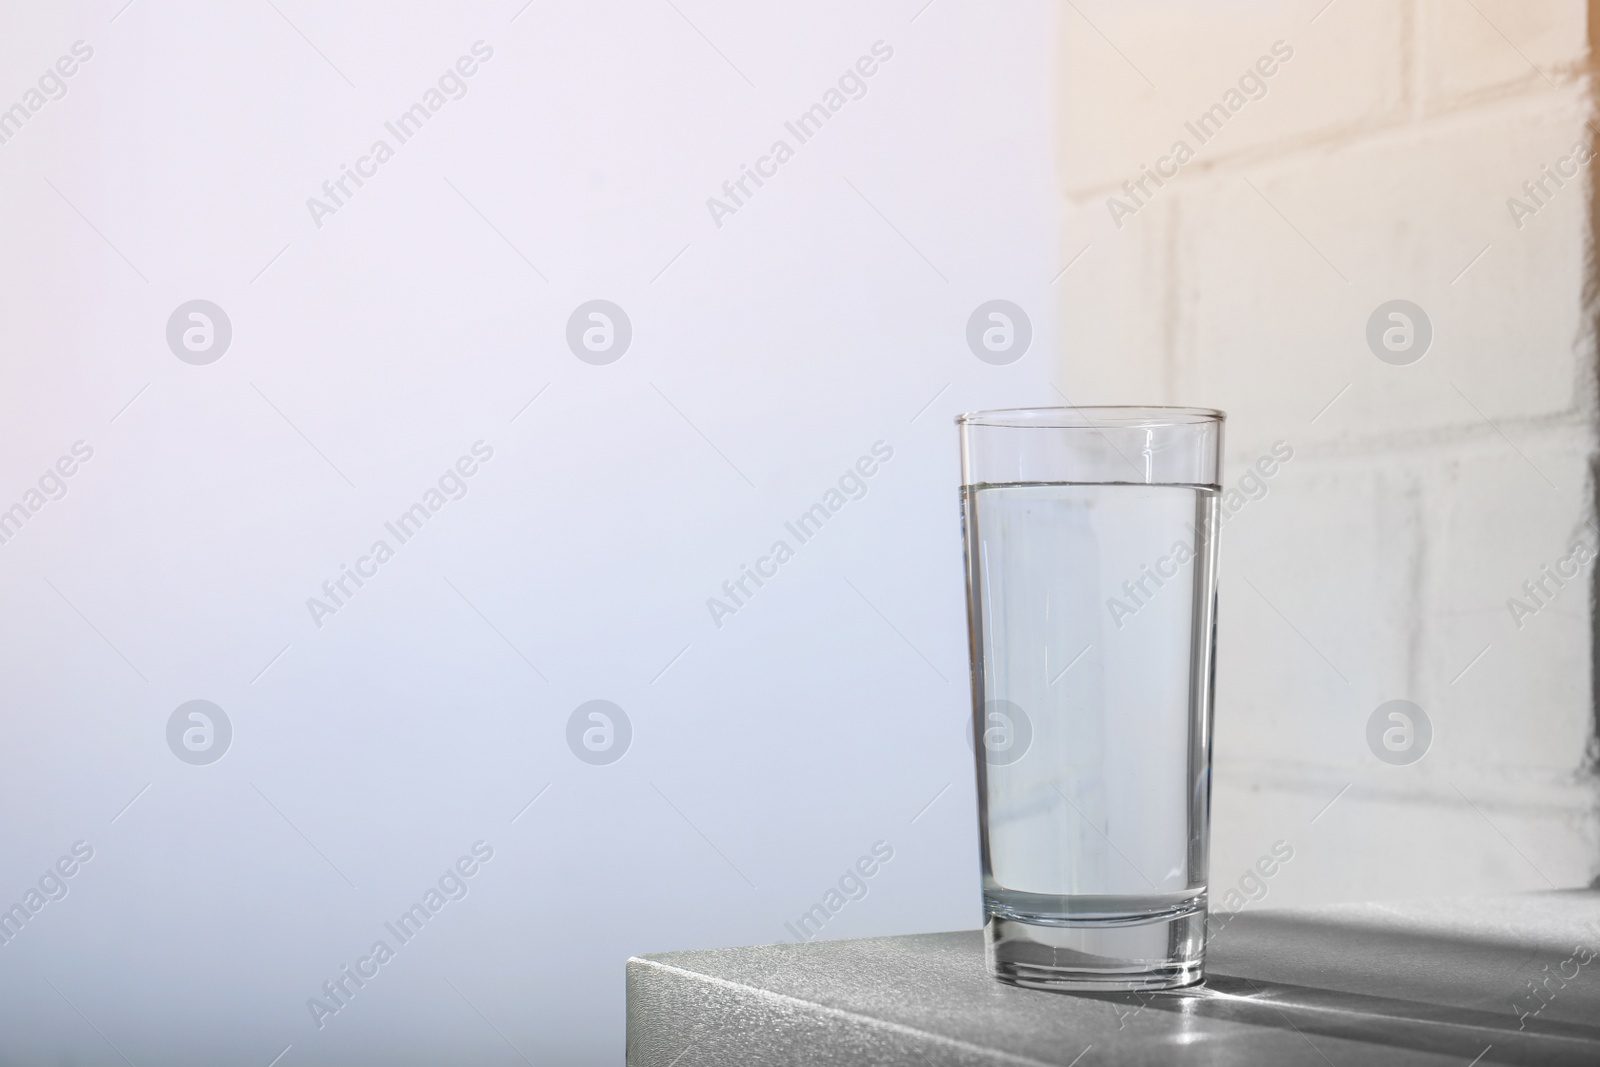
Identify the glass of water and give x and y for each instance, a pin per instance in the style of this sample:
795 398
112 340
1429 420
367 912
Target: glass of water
1091 554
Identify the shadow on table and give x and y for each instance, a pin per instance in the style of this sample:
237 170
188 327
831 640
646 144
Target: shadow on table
1390 985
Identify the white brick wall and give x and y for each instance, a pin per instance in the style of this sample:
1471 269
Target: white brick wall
1469 52
1376 166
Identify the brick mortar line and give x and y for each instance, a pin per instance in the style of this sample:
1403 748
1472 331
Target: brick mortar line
1325 446
1578 797
1397 124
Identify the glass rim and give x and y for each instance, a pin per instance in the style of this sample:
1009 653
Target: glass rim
1091 416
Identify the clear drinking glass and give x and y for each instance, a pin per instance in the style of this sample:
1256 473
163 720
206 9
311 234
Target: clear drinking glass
1090 542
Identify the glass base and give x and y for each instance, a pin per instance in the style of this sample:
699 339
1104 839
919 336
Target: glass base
1164 952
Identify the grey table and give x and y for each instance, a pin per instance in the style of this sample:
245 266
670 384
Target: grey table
1476 980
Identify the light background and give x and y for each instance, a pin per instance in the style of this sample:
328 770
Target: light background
768 354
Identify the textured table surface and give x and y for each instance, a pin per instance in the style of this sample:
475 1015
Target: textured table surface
1475 980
